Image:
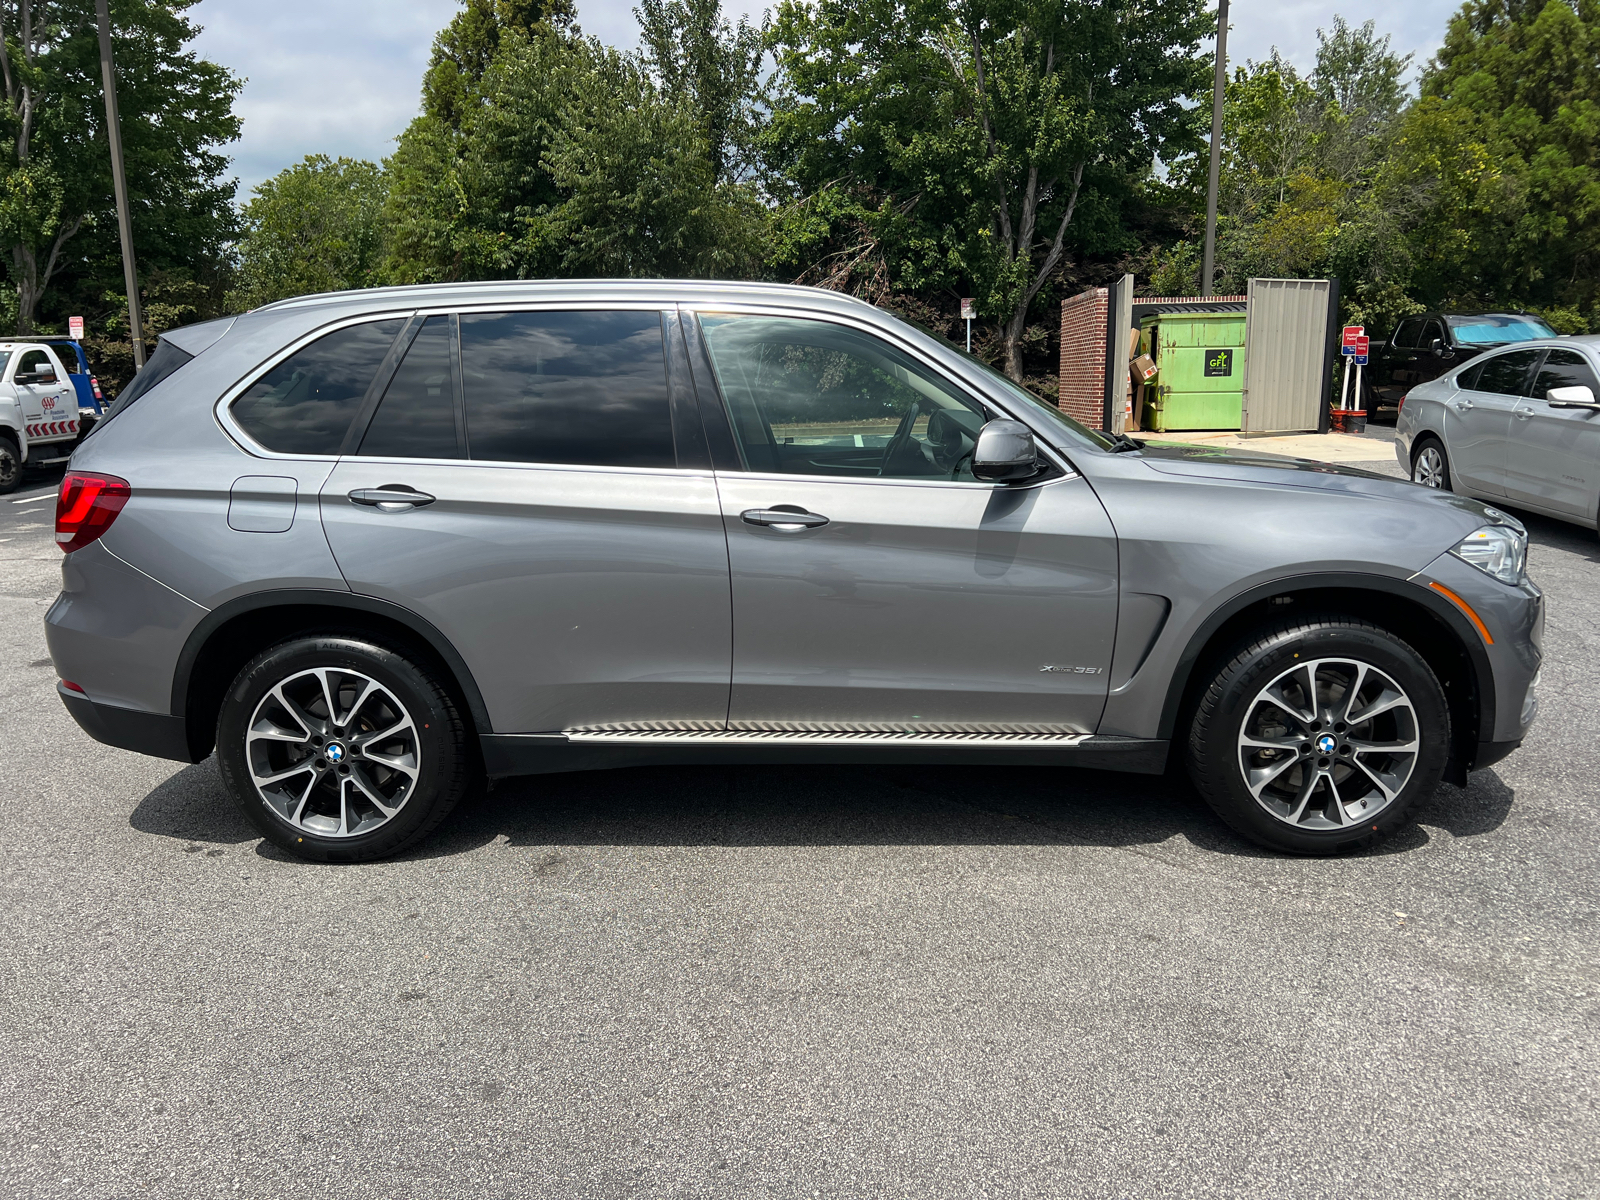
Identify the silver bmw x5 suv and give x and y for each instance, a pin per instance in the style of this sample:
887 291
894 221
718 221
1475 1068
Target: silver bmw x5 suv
373 548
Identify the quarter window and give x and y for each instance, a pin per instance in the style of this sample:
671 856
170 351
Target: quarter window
814 398
417 418
1564 368
586 388
1507 374
305 404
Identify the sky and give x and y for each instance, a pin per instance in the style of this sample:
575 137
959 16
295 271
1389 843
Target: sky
342 77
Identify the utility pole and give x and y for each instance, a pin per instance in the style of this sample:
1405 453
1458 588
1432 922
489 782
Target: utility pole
119 182
1218 87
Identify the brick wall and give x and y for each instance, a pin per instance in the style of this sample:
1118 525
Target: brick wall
1082 390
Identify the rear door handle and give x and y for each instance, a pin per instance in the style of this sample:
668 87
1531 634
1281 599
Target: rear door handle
1523 414
390 498
788 521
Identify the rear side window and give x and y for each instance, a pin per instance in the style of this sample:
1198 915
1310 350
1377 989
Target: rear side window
1507 374
305 404
1564 368
417 418
585 388
1468 379
1405 334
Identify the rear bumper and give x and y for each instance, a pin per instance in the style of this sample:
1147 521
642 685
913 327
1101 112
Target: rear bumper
156 734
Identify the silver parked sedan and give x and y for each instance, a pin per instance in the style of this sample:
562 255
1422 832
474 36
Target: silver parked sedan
375 547
1521 425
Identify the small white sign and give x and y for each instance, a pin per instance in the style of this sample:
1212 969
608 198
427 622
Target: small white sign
75 328
969 309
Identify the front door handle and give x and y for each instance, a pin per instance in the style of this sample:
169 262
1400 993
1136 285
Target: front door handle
783 519
391 497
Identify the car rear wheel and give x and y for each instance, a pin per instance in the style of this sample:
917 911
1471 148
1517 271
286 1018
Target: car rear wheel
341 750
1430 465
1320 736
10 465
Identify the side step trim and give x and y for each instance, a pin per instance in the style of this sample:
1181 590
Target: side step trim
507 754
775 737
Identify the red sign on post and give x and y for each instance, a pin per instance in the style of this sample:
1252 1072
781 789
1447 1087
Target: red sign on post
75 328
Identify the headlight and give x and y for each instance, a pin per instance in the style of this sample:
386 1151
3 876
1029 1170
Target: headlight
1499 550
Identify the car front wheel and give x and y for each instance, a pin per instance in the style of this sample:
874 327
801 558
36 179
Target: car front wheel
10 465
1430 465
1320 736
338 749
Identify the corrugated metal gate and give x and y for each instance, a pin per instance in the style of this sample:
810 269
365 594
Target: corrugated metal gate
1286 354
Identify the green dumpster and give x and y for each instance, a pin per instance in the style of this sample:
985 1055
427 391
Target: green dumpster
1199 360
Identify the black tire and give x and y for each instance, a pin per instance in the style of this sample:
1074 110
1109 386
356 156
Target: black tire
1235 696
1424 444
10 465
445 764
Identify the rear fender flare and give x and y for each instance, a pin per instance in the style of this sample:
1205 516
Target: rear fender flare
424 629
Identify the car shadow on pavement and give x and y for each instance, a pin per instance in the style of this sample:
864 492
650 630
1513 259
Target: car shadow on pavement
818 806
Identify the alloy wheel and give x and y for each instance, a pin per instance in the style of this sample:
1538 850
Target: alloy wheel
1328 744
10 467
333 752
1429 469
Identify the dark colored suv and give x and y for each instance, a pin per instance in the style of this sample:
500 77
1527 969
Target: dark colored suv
1427 346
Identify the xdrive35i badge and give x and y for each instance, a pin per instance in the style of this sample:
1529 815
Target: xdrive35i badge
1049 668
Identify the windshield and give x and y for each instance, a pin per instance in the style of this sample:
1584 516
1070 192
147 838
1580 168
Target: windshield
1492 330
1064 427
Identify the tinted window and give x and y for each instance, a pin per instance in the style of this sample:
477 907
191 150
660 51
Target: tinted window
1405 334
1431 331
1565 368
814 398
587 388
1506 374
417 418
1468 379
305 404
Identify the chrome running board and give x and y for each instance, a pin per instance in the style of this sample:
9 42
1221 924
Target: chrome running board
777 738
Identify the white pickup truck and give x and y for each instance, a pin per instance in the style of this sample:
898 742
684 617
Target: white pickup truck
38 410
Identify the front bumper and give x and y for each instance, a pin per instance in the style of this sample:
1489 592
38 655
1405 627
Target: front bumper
1513 618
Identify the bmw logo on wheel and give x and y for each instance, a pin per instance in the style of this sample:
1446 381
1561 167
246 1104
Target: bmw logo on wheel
335 752
1326 744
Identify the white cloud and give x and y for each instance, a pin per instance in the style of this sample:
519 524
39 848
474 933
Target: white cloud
343 76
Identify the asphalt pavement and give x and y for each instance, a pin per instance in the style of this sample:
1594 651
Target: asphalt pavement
784 982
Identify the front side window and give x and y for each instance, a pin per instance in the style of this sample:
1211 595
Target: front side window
1507 374
1431 332
417 416
813 398
1406 334
581 388
305 404
1564 368
33 361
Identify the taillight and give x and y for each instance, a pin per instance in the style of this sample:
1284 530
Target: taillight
1402 403
95 384
86 506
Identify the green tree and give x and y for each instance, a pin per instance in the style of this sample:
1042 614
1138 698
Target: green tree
1513 188
692 51
570 160
55 176
313 227
931 146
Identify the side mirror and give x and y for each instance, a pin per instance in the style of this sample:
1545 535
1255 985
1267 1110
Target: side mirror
1438 347
1579 395
1005 451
